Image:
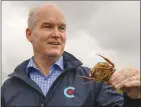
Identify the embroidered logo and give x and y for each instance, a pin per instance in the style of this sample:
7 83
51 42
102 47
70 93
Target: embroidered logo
68 92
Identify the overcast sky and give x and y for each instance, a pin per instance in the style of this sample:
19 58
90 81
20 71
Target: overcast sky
110 28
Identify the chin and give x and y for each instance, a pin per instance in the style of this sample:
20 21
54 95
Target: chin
54 53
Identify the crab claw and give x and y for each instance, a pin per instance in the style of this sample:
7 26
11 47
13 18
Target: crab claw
107 60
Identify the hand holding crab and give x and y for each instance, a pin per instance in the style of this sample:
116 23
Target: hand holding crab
127 79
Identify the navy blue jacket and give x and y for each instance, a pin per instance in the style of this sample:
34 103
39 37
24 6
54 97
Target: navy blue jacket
67 90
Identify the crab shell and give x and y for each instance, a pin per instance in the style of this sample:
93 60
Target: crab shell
102 72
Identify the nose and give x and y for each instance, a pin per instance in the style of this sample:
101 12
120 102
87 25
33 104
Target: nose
55 33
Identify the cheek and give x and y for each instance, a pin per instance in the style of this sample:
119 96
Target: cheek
64 38
41 36
37 40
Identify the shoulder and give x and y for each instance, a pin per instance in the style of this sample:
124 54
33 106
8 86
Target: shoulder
12 80
6 86
8 83
87 69
82 70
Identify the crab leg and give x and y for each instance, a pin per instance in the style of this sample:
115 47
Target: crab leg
88 82
85 77
106 60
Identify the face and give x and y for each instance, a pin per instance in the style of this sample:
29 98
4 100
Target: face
48 36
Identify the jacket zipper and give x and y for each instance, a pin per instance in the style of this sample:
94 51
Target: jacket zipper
52 88
55 85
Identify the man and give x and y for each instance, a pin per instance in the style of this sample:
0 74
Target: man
50 78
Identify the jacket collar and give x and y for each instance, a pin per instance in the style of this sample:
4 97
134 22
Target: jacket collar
68 59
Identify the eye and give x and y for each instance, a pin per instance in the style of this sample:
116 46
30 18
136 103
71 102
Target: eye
62 28
47 26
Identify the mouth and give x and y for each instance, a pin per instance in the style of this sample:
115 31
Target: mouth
54 43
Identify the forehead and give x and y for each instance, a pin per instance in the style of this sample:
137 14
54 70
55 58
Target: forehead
50 15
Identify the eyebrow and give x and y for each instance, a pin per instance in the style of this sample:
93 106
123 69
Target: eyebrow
49 23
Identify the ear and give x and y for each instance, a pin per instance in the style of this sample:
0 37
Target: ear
29 34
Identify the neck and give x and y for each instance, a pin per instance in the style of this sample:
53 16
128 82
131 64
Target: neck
44 63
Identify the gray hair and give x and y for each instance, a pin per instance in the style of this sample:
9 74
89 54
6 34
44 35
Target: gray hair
32 18
32 15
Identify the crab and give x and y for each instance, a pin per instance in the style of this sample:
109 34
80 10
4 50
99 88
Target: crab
101 72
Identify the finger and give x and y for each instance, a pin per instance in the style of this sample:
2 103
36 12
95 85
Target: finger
129 71
129 82
134 77
90 73
122 83
135 83
118 80
137 76
119 76
114 76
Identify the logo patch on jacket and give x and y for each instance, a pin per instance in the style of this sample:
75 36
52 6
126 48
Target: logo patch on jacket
68 92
